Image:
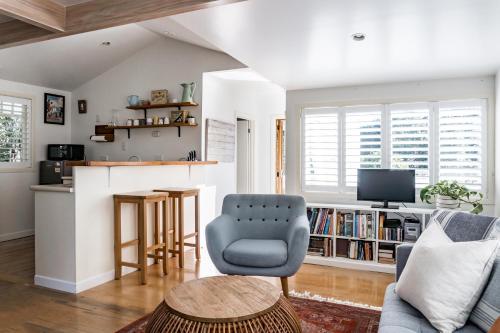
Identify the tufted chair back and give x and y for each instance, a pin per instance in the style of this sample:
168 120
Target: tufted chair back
263 216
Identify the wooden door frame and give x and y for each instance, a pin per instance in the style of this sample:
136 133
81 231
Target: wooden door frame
278 152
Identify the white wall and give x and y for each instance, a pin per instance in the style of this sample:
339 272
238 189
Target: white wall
497 144
478 87
163 65
16 199
261 102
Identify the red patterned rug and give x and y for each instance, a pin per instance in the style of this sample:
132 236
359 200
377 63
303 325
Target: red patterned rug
316 317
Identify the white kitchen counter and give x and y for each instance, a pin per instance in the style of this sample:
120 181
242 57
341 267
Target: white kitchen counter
74 235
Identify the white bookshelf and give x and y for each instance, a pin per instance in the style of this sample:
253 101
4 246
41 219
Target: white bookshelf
422 214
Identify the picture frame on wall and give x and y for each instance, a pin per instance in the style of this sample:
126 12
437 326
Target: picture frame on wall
159 97
54 109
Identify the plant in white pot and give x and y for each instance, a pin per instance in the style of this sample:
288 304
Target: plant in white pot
450 195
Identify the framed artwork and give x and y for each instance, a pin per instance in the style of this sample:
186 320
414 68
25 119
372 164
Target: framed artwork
54 108
159 97
82 106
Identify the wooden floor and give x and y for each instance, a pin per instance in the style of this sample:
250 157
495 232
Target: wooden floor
26 308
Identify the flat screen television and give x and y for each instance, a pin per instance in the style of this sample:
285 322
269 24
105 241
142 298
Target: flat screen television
386 185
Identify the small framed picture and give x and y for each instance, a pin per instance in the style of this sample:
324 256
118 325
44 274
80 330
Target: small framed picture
54 108
82 106
159 97
178 116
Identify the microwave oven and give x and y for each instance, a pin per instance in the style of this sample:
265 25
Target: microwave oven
65 152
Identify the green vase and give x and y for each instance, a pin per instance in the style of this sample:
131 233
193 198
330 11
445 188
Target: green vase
188 92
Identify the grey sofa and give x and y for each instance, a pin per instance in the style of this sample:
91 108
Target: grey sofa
260 235
399 316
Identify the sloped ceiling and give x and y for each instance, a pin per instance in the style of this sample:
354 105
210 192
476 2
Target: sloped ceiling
66 63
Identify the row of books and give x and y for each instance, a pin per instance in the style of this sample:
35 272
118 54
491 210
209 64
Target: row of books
356 224
386 254
359 250
392 234
320 221
320 246
389 229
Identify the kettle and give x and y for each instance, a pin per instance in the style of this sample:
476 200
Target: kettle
188 92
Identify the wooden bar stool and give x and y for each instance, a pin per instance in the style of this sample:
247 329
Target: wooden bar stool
176 196
141 199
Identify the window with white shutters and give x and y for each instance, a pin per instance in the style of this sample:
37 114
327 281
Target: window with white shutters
320 148
460 142
15 132
362 141
409 138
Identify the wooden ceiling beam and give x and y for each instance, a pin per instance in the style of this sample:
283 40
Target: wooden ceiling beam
16 32
44 14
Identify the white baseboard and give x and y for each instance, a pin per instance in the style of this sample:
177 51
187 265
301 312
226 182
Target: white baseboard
75 288
16 235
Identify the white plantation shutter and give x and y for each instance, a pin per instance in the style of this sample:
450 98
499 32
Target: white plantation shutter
409 138
320 148
362 141
15 132
460 142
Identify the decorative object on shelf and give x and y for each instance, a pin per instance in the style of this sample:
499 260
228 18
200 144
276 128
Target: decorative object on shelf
133 100
159 97
451 195
179 116
136 122
161 121
221 141
191 120
191 156
103 134
130 122
82 106
149 121
174 100
188 92
144 102
54 108
156 120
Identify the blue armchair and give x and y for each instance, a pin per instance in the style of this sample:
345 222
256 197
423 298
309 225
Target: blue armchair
259 234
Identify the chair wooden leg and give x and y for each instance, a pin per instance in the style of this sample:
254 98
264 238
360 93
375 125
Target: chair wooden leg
118 239
166 235
284 285
157 230
197 225
181 232
174 227
143 243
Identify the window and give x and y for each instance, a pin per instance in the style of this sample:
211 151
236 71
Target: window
363 141
321 128
439 140
15 132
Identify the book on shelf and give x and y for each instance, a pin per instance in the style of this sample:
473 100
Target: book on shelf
356 224
389 229
355 249
386 253
320 246
320 221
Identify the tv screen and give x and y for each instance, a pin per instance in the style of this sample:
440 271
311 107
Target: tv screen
392 185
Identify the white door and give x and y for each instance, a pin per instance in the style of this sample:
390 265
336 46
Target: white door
243 156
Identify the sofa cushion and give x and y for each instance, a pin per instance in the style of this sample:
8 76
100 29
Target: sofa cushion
262 253
400 317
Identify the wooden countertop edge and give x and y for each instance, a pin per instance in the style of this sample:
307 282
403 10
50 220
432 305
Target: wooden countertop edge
145 163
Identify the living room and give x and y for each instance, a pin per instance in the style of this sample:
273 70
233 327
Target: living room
249 166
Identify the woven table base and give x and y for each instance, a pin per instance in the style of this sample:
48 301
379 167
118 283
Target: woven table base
281 318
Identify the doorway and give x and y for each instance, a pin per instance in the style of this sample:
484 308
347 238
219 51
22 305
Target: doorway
280 156
243 156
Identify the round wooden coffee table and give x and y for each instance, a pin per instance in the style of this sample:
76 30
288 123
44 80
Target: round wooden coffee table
224 304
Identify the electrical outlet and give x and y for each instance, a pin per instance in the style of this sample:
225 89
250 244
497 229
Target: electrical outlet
156 134
124 146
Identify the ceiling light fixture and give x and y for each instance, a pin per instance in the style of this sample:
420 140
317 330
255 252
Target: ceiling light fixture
106 43
358 37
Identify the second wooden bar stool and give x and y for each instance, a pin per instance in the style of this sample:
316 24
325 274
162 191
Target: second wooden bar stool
176 196
141 199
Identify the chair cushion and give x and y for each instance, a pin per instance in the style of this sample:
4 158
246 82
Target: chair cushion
263 253
400 317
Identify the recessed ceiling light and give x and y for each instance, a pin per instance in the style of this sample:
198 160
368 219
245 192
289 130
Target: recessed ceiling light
106 43
358 37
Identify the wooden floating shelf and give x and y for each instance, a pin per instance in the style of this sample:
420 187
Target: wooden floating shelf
128 128
162 106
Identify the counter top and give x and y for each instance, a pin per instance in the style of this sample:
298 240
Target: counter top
53 188
143 163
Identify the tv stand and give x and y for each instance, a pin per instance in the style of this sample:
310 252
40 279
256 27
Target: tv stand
386 206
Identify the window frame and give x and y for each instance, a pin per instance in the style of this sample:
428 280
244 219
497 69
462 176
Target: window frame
15 167
350 192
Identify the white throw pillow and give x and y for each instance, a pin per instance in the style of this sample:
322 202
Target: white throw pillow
444 279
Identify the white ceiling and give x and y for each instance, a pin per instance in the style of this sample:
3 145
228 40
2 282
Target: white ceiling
307 43
68 62
240 74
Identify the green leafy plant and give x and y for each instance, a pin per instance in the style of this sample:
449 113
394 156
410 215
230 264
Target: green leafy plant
455 191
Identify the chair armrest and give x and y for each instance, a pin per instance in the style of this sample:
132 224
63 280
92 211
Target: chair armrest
219 234
297 241
402 253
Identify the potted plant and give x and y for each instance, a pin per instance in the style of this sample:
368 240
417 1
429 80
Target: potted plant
450 195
